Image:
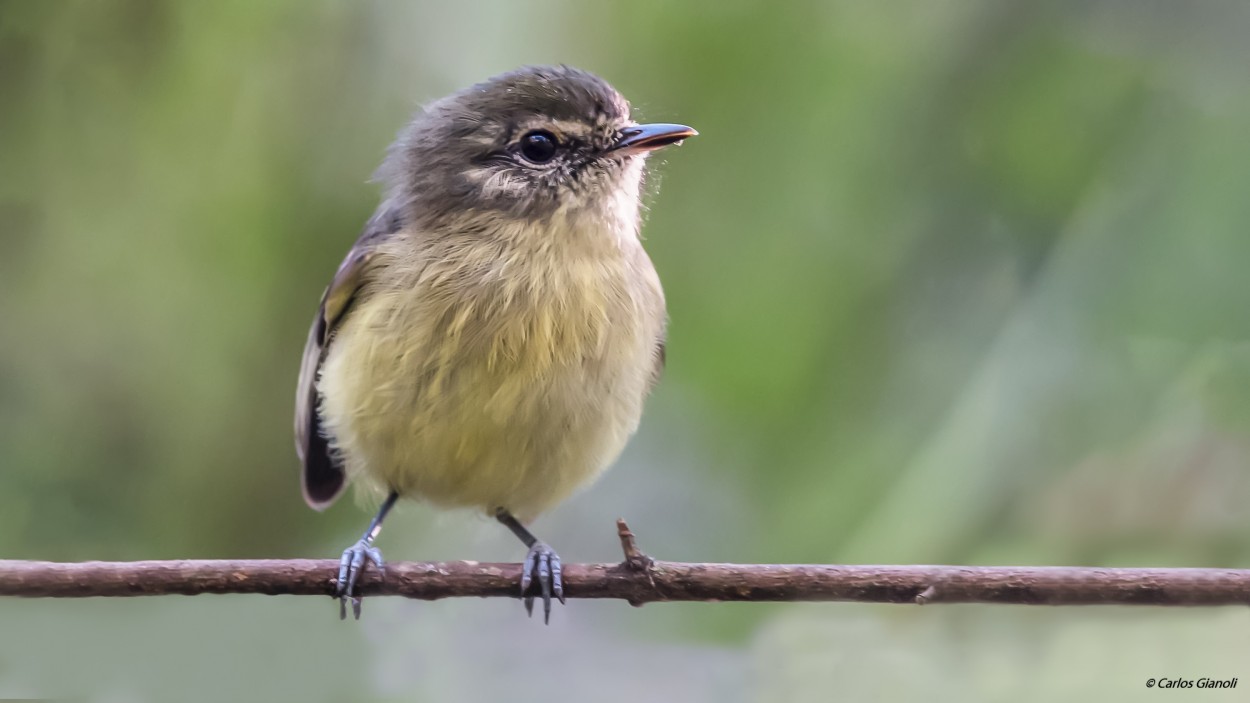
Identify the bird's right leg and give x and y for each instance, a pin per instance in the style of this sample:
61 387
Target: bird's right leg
353 561
541 567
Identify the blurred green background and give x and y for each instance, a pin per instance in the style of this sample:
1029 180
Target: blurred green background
950 282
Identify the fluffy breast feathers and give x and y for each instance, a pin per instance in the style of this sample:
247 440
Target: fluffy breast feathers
499 371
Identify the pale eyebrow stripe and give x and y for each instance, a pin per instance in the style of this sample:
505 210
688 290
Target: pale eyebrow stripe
561 128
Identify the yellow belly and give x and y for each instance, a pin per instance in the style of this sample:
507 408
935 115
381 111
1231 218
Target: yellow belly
489 405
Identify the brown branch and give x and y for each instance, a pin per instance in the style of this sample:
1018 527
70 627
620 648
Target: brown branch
639 579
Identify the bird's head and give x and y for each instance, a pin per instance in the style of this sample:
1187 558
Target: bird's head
524 145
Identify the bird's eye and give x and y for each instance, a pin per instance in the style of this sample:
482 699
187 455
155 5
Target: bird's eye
538 147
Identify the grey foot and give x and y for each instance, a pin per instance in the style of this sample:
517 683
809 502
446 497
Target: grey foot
350 566
542 565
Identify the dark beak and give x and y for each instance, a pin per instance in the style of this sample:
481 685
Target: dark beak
649 137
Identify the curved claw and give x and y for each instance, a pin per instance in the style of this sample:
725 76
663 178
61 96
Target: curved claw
542 564
351 565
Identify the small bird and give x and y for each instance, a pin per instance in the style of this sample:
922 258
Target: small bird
489 340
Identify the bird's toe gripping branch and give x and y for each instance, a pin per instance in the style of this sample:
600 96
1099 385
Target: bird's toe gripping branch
350 567
541 569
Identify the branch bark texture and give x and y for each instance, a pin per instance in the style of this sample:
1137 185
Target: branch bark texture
639 580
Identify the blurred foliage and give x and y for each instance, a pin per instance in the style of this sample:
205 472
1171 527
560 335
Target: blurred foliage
949 282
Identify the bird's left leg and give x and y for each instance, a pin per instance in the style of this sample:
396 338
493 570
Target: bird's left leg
542 564
353 561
